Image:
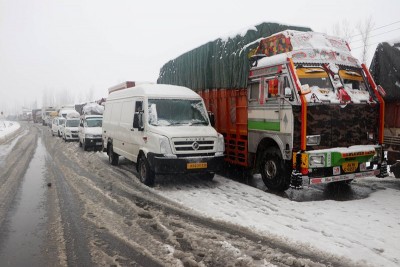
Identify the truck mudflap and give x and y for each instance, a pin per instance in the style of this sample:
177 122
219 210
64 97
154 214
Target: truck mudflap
163 165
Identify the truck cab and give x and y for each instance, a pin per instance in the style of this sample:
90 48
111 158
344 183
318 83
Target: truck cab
314 113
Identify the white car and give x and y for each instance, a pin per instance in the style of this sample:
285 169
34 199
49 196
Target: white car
55 126
70 129
90 129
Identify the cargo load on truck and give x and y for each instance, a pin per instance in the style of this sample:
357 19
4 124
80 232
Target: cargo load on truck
295 106
385 68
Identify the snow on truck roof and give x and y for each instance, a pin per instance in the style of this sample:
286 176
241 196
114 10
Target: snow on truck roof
305 47
154 90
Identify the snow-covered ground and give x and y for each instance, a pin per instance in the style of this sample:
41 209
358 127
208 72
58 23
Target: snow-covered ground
365 230
7 128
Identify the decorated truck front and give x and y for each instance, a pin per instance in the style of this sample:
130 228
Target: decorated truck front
308 112
319 105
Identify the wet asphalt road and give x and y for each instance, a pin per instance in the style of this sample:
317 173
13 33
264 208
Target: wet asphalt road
60 206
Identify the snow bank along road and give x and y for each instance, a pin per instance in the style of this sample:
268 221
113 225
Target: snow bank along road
100 215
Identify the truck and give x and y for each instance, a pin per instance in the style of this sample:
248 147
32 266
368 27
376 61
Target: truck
385 68
292 104
37 115
46 114
164 129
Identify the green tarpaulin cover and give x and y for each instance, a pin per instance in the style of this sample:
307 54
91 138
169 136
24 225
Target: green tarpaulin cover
222 63
385 68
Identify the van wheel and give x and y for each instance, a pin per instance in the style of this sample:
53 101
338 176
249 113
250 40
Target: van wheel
274 172
59 135
112 156
146 176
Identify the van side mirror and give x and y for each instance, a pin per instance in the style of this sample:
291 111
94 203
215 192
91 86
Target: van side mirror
211 117
138 121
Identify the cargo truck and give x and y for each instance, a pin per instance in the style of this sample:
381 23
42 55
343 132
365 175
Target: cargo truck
385 68
295 106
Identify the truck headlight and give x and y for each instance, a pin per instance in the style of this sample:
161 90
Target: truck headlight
220 143
165 147
316 160
313 140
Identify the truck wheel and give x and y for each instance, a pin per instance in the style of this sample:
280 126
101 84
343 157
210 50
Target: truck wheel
112 156
146 176
274 172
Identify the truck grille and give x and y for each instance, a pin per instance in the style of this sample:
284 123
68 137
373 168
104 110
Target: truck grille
194 145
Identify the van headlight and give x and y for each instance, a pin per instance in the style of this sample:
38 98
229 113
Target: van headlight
220 143
313 140
165 147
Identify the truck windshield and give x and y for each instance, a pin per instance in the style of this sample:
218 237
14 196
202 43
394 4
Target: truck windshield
170 112
72 123
315 77
94 122
352 80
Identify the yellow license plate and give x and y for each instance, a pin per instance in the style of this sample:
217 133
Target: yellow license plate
350 166
197 165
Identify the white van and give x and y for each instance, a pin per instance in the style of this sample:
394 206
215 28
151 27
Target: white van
69 129
165 129
56 124
90 128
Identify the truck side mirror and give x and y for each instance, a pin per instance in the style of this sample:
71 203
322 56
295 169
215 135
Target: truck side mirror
288 92
138 121
211 117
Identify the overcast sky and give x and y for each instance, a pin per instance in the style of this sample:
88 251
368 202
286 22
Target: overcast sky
80 48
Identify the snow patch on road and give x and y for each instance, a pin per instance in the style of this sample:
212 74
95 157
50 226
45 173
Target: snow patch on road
366 231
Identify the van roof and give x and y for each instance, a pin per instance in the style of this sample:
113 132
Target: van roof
154 90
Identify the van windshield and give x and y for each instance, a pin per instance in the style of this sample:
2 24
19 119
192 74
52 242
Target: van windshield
170 112
94 122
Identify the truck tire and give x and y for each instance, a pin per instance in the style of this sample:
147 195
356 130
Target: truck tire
274 172
395 168
112 156
146 175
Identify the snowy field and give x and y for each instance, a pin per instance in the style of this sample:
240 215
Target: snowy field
365 230
7 128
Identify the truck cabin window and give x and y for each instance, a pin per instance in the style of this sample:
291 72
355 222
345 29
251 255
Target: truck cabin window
352 80
170 112
253 89
316 78
94 122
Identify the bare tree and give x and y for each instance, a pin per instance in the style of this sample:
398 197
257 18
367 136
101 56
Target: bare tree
343 29
364 29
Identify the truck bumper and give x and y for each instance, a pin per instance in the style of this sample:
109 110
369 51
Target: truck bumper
162 165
